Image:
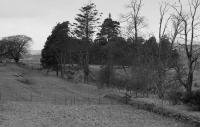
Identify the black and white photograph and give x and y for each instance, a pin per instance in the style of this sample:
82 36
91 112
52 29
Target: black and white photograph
99 63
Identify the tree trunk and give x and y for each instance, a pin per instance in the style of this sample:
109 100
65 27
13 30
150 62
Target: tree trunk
70 60
47 71
16 60
61 71
189 82
86 68
57 71
136 30
80 59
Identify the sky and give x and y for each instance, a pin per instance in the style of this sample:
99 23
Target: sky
36 18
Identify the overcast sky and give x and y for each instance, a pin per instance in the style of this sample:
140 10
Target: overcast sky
36 18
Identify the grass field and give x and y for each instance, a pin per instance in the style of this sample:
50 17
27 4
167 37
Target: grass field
34 61
28 101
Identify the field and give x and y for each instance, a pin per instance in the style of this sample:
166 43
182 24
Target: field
33 99
34 61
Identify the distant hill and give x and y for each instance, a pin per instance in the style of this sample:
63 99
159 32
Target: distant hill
35 52
31 58
181 49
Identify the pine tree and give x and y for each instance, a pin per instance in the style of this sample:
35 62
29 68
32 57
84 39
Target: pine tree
109 29
85 25
55 44
86 22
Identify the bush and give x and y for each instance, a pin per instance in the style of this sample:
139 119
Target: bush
174 96
126 98
26 81
111 79
196 85
105 77
196 97
186 98
193 100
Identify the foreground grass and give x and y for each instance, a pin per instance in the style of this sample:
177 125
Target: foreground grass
15 114
16 109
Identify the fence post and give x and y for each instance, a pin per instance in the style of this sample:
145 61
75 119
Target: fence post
55 99
74 100
65 100
16 96
99 100
136 94
31 97
88 100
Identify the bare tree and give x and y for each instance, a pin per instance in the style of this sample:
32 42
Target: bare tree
16 46
176 28
164 7
134 19
161 65
189 35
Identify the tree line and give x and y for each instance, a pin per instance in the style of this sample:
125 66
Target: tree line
151 60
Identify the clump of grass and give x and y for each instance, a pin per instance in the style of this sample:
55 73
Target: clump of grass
25 81
196 85
106 77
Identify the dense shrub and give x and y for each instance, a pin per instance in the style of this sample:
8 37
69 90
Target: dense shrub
174 96
108 77
105 77
26 81
193 99
196 98
196 85
186 98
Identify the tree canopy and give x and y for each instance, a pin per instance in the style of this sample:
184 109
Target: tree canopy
14 47
86 22
109 29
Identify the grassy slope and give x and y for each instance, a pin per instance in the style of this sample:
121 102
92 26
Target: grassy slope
41 115
17 111
35 60
39 85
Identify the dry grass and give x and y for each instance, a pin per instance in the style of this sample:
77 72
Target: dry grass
17 111
42 115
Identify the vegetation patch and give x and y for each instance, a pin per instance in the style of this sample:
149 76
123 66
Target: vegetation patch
23 79
182 116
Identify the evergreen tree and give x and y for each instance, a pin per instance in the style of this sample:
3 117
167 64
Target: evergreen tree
85 25
150 51
56 42
109 29
86 22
